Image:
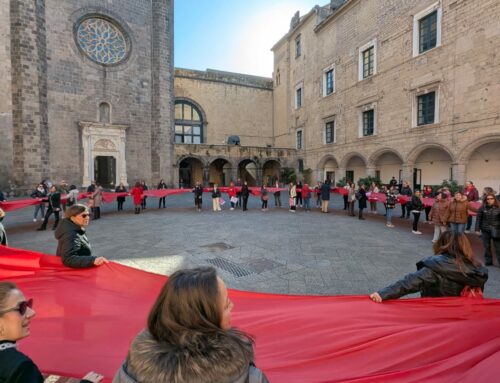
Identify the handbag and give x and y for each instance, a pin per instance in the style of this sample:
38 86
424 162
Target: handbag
234 200
471 292
265 197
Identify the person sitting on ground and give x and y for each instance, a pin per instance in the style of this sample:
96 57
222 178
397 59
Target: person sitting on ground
3 234
189 337
442 275
16 314
73 245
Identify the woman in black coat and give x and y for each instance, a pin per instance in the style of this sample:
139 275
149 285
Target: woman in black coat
16 314
245 193
416 206
73 245
120 200
442 275
362 198
488 222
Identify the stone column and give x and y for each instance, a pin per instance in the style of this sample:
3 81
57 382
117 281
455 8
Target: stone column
341 173
459 172
407 173
371 171
258 176
206 175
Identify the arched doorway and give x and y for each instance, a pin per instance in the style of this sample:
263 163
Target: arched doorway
388 164
271 172
355 168
220 172
190 172
247 171
431 167
483 166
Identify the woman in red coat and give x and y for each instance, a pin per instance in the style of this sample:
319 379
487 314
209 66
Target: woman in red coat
137 192
231 192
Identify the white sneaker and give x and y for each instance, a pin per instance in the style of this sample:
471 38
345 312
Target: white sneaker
232 208
34 219
467 231
416 232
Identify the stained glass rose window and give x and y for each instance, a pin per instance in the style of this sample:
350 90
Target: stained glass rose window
101 40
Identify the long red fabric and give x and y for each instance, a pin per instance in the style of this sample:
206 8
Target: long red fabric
87 318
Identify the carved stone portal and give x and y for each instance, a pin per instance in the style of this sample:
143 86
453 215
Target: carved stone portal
102 139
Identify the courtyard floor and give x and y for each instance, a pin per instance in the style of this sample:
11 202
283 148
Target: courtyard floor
274 251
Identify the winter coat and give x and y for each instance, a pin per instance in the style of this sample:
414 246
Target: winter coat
416 204
72 197
204 360
216 193
3 234
119 189
136 192
362 198
198 193
231 192
391 199
472 194
306 191
293 191
488 217
245 192
277 193
55 201
457 211
162 185
439 212
406 190
73 245
97 197
38 193
2 197
264 194
325 191
438 276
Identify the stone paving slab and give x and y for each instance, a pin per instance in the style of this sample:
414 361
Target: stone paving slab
283 252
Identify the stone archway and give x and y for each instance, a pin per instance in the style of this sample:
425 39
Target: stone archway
220 171
271 171
387 163
483 164
431 167
190 172
328 169
248 171
355 166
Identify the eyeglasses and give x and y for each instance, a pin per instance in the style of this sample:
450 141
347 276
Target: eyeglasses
22 307
85 215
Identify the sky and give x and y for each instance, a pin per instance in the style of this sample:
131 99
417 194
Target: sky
232 35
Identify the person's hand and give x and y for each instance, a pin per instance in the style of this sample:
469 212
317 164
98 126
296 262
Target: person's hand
93 377
100 261
478 233
376 297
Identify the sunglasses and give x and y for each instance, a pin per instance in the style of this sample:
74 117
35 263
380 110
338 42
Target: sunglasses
22 307
85 215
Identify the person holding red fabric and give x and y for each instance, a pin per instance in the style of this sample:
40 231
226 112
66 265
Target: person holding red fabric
16 314
136 193
306 196
231 192
189 337
488 222
445 274
3 234
427 193
472 195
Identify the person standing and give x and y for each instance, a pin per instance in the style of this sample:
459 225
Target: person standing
306 196
277 195
120 199
144 188
72 196
457 213
438 215
198 195
351 197
427 193
390 205
162 185
407 192
97 198
362 198
373 204
39 192
216 198
345 196
264 196
317 192
416 208
393 182
292 194
325 196
298 198
3 234
245 193
136 193
488 223
472 195
54 199
238 192
231 192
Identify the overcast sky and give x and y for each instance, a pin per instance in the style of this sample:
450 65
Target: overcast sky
232 35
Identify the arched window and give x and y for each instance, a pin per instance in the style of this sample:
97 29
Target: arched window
188 123
104 112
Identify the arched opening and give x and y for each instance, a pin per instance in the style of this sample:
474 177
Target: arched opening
329 171
247 171
220 172
431 167
271 172
388 165
188 123
190 172
355 168
483 166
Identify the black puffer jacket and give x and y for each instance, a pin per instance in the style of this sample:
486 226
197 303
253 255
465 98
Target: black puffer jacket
437 276
488 217
73 246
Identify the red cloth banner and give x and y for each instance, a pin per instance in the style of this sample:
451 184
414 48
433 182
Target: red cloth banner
86 319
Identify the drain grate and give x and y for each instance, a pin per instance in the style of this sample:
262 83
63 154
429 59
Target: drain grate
229 266
218 246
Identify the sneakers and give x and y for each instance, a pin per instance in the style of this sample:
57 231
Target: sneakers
34 219
232 208
389 225
467 231
416 232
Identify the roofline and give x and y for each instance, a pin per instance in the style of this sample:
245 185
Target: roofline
303 19
337 12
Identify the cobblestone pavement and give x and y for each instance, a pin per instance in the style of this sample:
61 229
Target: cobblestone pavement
274 251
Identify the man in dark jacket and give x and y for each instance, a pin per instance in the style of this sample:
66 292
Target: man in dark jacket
245 193
406 191
325 196
362 198
488 222
198 195
54 208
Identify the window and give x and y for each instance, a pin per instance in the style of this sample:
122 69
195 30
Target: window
426 108
367 60
188 124
427 29
298 98
278 77
330 132
104 112
301 165
349 175
298 47
299 143
328 81
368 123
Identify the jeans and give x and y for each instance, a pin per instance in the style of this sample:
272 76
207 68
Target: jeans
245 202
264 204
120 203
438 230
162 201
143 202
469 222
47 215
307 201
277 200
487 243
416 217
388 216
39 208
457 227
346 202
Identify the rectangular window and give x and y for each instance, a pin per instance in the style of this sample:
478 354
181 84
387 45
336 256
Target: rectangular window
426 107
329 86
368 61
298 47
330 132
298 98
299 139
428 32
349 175
301 165
368 122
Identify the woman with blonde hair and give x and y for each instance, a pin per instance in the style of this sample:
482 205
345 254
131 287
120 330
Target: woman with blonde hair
445 274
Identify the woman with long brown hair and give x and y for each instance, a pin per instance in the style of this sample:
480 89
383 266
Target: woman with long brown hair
189 337
445 274
488 222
